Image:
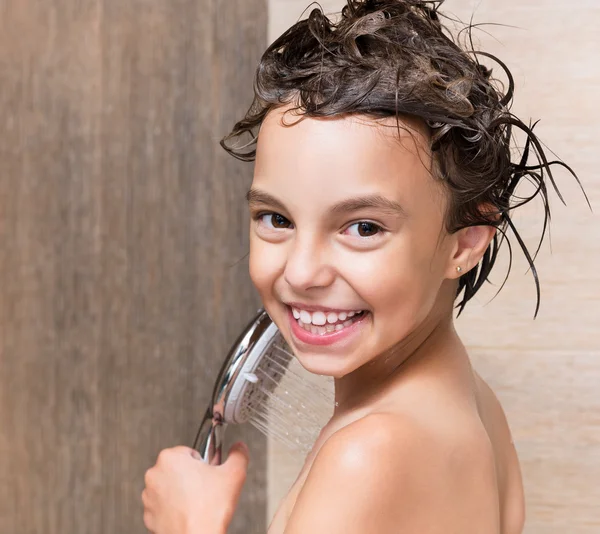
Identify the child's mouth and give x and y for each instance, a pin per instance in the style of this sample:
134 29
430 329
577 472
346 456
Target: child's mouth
329 328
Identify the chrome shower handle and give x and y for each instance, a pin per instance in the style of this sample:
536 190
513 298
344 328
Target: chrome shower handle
209 439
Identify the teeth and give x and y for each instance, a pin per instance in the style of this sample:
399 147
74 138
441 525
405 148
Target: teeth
319 323
305 317
322 319
318 318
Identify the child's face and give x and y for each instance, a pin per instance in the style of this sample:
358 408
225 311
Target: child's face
386 251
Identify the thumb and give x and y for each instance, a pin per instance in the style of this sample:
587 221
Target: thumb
237 460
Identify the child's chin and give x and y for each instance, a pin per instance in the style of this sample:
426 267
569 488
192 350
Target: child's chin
323 364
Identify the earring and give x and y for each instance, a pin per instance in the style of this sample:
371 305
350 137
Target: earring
459 269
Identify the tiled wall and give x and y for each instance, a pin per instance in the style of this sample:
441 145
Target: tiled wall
546 372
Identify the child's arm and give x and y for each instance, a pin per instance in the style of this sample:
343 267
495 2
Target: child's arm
386 474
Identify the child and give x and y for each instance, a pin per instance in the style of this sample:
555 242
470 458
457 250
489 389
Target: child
384 184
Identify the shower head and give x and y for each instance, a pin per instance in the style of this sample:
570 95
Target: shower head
260 383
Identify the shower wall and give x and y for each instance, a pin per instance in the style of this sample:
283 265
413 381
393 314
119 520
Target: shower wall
123 235
545 371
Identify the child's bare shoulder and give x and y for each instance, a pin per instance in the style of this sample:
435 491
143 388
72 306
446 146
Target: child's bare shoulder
392 439
386 470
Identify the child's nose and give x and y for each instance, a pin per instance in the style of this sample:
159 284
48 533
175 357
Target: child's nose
307 266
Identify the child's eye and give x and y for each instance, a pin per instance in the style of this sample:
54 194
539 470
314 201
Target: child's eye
364 229
274 221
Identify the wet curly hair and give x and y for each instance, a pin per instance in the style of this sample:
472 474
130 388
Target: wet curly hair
396 58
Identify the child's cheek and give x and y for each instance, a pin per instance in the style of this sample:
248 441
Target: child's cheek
264 266
257 274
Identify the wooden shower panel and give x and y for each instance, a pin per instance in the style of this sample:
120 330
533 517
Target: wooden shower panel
123 236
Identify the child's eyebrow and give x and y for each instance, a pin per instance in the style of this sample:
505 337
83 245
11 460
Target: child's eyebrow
256 196
378 202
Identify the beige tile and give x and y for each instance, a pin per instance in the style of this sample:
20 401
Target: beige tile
552 403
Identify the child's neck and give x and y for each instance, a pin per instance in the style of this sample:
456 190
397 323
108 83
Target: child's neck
430 345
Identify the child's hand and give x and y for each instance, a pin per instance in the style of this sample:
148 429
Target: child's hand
184 495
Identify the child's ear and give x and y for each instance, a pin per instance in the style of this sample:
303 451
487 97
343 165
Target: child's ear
469 246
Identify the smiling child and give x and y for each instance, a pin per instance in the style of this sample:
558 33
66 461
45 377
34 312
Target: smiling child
384 183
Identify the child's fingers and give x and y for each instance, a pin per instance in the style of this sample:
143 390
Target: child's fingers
237 461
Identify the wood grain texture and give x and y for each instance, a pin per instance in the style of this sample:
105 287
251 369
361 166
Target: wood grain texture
124 232
546 372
